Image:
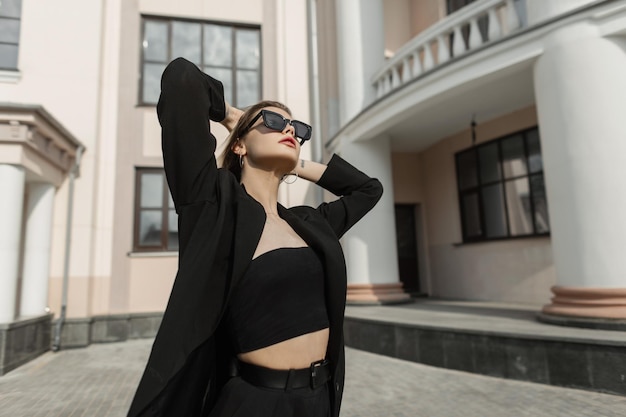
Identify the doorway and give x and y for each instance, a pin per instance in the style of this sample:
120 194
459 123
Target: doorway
406 239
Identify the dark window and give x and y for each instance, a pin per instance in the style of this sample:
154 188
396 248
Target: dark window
10 14
453 6
230 53
483 21
501 188
156 222
520 7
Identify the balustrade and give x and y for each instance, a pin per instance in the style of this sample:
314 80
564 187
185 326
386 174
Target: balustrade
467 29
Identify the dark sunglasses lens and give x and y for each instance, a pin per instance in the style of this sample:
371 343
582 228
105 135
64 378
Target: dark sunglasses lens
274 121
303 131
277 122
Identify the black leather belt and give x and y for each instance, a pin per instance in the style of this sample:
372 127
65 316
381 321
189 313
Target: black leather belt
314 376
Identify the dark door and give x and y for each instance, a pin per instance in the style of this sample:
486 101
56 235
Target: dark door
406 236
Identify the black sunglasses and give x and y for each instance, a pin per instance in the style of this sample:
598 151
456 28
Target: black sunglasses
275 121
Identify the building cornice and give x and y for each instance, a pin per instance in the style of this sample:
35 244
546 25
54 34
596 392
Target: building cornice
33 134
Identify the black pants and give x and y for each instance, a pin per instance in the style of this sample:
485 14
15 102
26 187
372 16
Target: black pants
242 399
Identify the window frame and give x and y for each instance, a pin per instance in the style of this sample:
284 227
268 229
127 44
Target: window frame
19 19
165 209
502 181
233 68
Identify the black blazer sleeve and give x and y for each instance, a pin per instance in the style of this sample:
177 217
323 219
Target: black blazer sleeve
189 98
359 192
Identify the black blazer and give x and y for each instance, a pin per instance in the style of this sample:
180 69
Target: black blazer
219 228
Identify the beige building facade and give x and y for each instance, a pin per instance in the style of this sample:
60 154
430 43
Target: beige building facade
494 126
92 237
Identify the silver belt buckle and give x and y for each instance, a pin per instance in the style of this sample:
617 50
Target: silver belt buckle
315 374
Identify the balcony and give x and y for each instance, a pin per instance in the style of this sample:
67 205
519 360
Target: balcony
475 64
445 40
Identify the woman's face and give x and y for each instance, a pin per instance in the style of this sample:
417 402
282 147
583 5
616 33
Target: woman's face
271 149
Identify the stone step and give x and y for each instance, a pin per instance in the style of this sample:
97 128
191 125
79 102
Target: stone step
494 339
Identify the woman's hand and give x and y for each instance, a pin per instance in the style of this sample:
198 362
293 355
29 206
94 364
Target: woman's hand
232 117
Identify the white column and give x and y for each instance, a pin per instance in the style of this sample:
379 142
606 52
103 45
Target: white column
11 207
370 246
580 89
361 52
39 207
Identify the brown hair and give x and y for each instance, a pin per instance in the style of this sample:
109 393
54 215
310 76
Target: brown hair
230 160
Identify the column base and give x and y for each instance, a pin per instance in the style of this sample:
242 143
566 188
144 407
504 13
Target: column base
376 294
600 308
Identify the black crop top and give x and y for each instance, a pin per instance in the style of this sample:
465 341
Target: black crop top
280 296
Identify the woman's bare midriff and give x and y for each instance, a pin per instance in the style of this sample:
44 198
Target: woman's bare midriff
296 353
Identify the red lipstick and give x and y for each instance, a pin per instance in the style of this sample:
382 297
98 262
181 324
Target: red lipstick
289 141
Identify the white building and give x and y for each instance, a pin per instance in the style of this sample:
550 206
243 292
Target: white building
525 205
93 68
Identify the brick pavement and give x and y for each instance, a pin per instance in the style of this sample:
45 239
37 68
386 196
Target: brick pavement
99 381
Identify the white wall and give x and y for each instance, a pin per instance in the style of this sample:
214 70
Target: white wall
59 62
230 11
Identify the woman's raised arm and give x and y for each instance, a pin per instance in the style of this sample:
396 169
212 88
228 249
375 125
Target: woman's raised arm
309 170
189 99
358 193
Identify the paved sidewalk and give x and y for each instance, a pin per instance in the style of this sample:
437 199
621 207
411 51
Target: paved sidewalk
100 380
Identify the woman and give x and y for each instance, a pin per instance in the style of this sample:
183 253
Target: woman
253 326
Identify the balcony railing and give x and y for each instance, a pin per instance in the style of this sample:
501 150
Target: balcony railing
467 29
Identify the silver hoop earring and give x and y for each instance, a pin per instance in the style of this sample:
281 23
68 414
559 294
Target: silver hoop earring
291 174
240 161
